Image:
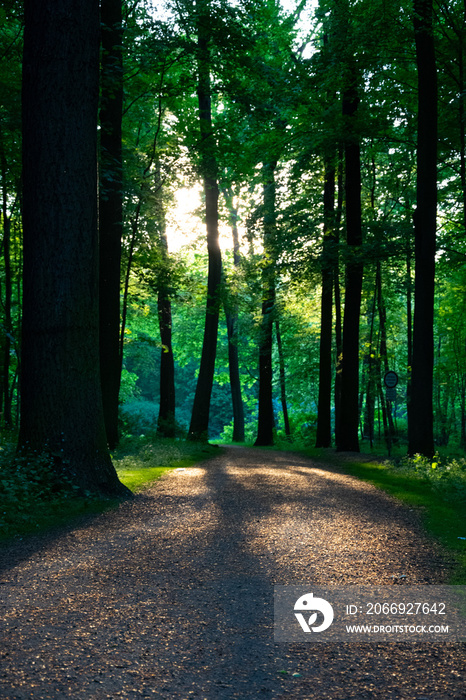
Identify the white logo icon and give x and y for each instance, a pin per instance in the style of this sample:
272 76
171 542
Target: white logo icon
307 603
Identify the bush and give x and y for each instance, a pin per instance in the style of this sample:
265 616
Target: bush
139 417
30 484
447 476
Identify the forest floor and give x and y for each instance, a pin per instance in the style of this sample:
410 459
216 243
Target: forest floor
171 595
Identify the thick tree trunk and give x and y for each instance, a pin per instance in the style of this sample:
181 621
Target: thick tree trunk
266 422
324 429
421 432
110 211
62 411
199 427
349 410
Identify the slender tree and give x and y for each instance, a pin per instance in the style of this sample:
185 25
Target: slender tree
324 430
166 420
349 408
282 375
420 429
62 411
265 426
231 315
199 427
8 329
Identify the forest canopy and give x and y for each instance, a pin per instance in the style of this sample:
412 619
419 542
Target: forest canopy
230 220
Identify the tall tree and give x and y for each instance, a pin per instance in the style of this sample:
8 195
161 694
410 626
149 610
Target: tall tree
7 414
231 316
349 407
420 429
265 426
166 420
62 411
110 211
198 429
324 430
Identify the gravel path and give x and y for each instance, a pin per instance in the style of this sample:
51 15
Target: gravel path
171 596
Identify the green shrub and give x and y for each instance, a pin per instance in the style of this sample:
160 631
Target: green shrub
31 485
446 475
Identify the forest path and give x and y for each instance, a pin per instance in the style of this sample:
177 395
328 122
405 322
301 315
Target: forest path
171 596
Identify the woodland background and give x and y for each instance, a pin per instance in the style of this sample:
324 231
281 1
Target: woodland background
326 142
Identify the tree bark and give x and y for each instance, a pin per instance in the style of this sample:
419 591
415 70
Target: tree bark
420 429
8 325
338 314
383 340
349 410
266 422
166 426
110 211
199 427
324 428
281 362
62 412
231 315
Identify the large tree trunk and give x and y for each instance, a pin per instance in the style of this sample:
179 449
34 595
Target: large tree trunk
324 429
349 409
420 429
110 211
198 430
265 426
62 411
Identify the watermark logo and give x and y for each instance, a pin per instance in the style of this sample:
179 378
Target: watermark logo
307 603
369 613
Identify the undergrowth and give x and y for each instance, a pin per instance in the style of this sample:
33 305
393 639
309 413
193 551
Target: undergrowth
34 498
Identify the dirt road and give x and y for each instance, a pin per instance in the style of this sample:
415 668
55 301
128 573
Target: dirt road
171 596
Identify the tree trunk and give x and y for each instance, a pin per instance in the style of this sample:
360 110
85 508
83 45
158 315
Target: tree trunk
338 315
62 412
8 326
281 361
266 422
463 412
231 314
372 366
420 429
383 344
324 429
199 428
349 418
409 326
166 421
110 211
